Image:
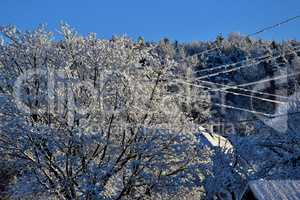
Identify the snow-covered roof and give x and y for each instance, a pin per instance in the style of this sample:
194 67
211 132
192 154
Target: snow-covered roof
213 140
275 189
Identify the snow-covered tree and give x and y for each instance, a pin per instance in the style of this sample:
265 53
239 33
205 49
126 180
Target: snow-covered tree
84 118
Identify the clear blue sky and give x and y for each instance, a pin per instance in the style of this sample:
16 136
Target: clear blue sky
183 20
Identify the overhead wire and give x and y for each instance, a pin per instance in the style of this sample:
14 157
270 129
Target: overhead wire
238 87
228 106
245 90
253 34
230 92
247 65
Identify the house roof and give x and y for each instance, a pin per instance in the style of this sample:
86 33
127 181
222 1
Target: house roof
213 140
275 189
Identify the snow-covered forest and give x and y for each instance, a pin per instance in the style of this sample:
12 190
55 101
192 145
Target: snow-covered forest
112 119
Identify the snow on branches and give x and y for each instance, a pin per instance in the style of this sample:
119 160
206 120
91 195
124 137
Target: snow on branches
92 119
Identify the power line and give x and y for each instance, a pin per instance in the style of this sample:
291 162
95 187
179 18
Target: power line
266 80
231 64
286 114
237 63
227 65
255 82
253 34
220 123
242 85
273 26
252 120
230 92
244 66
246 90
238 87
228 106
242 109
